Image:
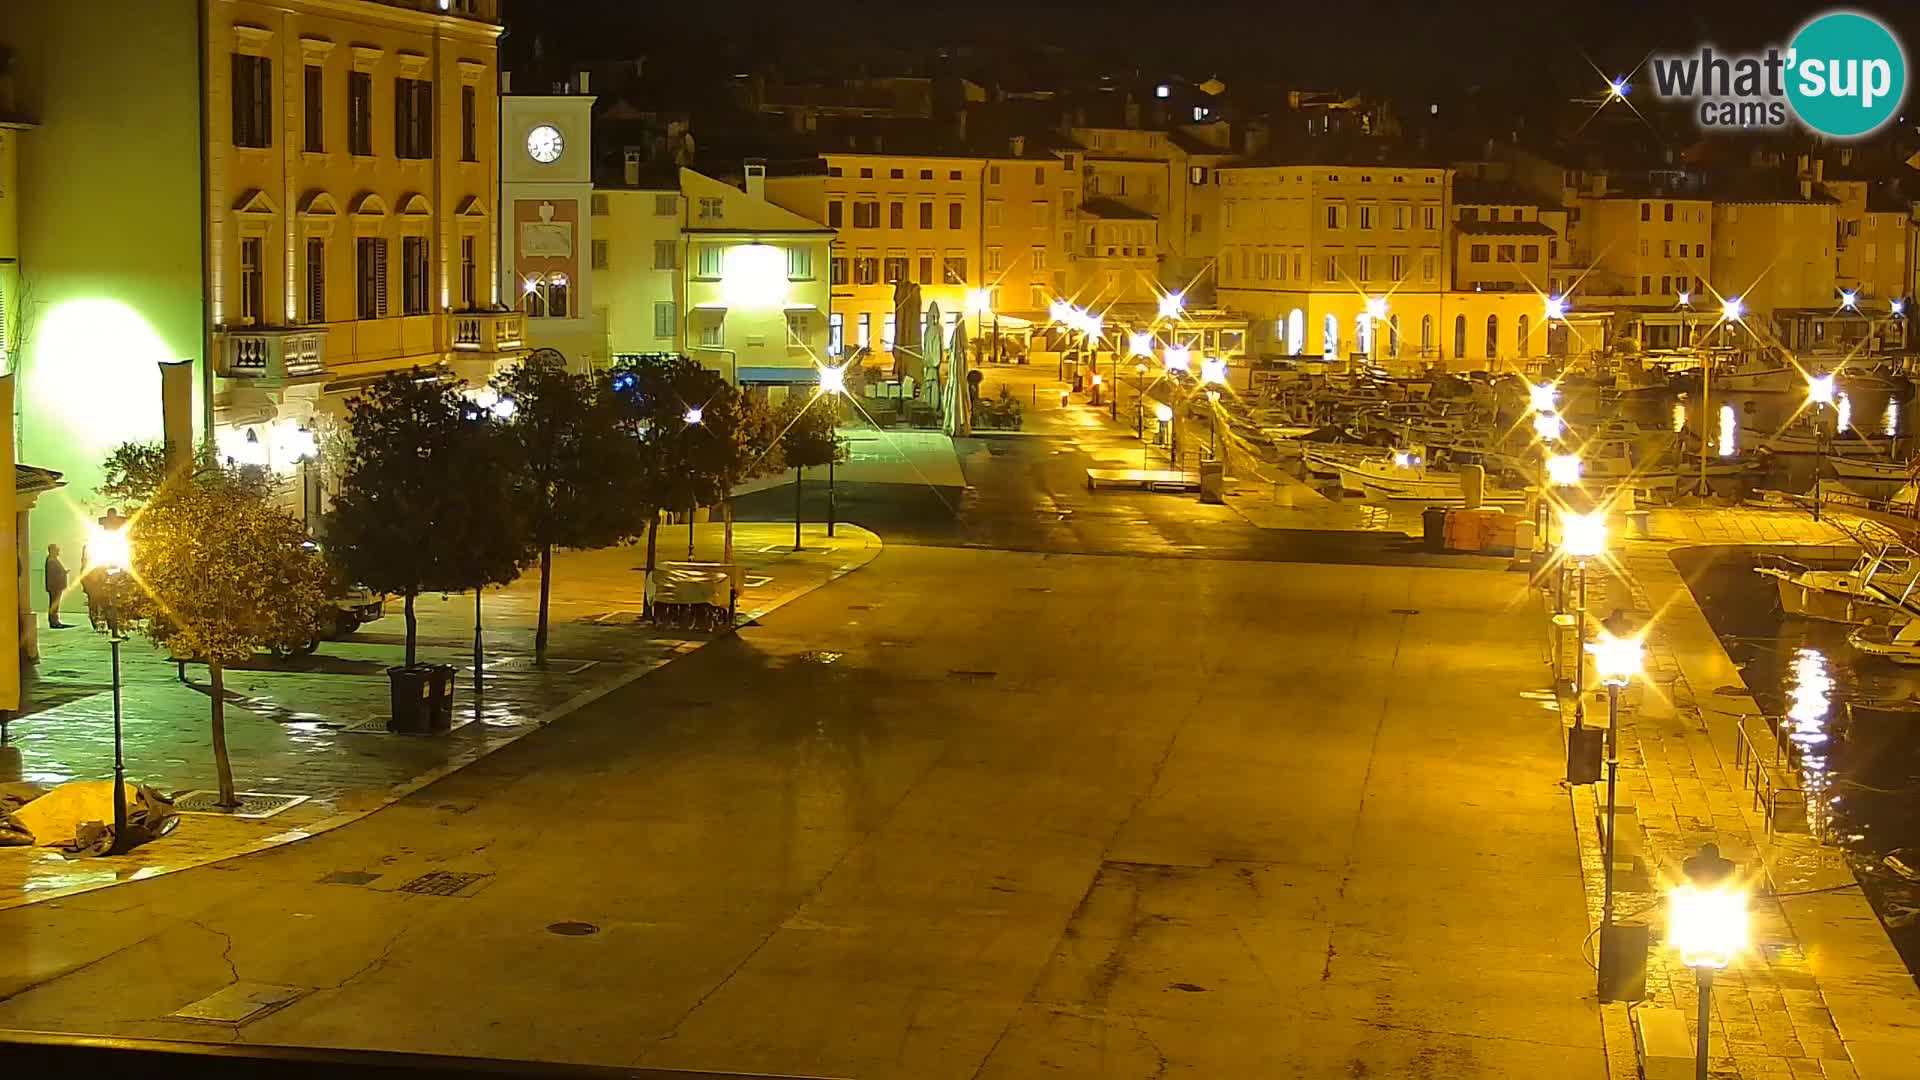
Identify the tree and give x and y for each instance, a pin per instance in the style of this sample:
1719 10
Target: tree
755 437
218 571
426 503
681 417
576 465
807 440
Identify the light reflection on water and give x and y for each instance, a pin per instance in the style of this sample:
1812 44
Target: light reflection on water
1810 689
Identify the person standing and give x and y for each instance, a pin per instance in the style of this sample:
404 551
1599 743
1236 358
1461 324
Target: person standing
56 586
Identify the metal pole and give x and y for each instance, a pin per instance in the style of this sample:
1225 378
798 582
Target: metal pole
478 666
1704 978
1706 411
1613 773
799 479
1113 407
1580 653
690 511
120 838
1820 454
831 505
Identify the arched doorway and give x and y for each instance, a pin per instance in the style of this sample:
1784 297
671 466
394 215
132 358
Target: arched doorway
1296 331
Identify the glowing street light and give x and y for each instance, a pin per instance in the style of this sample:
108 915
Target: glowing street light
1731 309
979 301
1616 660
1707 924
1548 426
1556 307
1686 299
1140 344
1376 307
1617 89
694 414
1540 397
1213 371
833 380
1563 470
1819 394
1172 305
1849 299
1178 358
108 548
1898 307
1060 311
1583 536
1820 389
1162 412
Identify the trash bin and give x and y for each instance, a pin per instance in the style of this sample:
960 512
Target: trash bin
422 699
1213 482
1433 529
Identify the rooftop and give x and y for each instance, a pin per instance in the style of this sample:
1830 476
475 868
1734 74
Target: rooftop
1468 191
1503 228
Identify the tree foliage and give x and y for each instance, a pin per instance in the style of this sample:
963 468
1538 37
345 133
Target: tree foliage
426 500
807 425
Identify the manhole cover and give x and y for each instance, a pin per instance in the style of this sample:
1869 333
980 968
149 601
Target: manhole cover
253 804
348 877
238 1003
573 929
1406 611
442 883
971 676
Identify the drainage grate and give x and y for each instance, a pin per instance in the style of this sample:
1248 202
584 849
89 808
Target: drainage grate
972 676
525 664
253 804
442 883
1406 611
859 607
238 1003
573 929
348 877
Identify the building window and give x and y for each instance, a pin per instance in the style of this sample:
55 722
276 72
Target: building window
953 174
412 119
866 214
994 213
1366 216
1666 284
663 251
926 215
1399 265
315 104
371 256
953 215
359 114
926 174
1530 253
469 271
886 330
838 267
713 330
1429 217
1520 335
896 215
1460 337
799 329
993 260
663 319
1504 253
955 269
597 205
1469 213
1393 336
1399 217
836 334
599 255
993 174
834 170
1196 174
1646 284
1667 211
1426 335
1332 268
897 174
666 205
252 100
894 270
835 217
926 270
1366 268
1037 297
316 280
1646 211
1478 253
252 283
1334 216
413 275
469 124
866 174
799 264
1330 336
1194 225
1428 265
1039 257
712 260
1643 245
866 270
1493 336
712 208
1699 251
863 330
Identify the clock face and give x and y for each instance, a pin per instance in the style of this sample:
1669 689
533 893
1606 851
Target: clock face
544 144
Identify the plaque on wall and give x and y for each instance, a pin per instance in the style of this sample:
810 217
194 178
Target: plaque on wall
547 238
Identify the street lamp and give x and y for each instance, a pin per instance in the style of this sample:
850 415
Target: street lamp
1731 309
1563 470
1849 299
693 420
1707 924
1164 413
1548 425
1584 537
109 547
1540 397
833 383
1819 395
1213 423
1556 309
1616 660
1171 305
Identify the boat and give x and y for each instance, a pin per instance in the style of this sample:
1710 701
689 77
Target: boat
1404 475
1801 440
1757 379
1864 470
1897 644
1870 591
1291 440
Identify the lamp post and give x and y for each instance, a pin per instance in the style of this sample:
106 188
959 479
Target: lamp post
108 546
1819 395
1616 660
833 383
1163 413
1707 923
1547 427
693 420
1583 536
1376 314
1140 399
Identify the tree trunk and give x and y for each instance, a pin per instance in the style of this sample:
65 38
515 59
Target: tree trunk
653 538
799 478
413 630
726 514
546 579
220 763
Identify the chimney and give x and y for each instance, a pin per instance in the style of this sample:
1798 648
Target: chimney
1819 170
630 170
1017 145
582 81
1597 184
1806 187
1133 113
506 83
960 127
757 180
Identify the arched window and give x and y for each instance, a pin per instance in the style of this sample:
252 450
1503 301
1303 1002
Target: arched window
534 298
1459 337
1393 336
1330 337
1363 334
1493 336
1296 332
1426 335
1523 336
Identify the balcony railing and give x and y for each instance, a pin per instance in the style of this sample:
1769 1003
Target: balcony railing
273 353
488 331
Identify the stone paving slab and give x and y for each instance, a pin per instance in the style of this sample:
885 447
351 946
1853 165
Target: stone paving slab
1821 993
314 727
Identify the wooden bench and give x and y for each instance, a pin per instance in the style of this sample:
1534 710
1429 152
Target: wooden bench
1144 479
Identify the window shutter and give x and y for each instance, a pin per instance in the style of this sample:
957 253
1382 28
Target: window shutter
263 101
237 92
380 277
400 118
423 111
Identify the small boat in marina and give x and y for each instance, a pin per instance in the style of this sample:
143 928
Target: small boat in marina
1897 644
1870 591
1864 470
1404 474
1796 439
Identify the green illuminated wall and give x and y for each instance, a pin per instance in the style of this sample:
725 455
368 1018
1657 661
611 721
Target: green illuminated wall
110 233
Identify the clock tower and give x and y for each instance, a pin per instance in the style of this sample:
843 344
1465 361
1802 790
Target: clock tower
546 221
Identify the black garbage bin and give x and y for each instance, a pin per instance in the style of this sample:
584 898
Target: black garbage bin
1433 528
422 698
